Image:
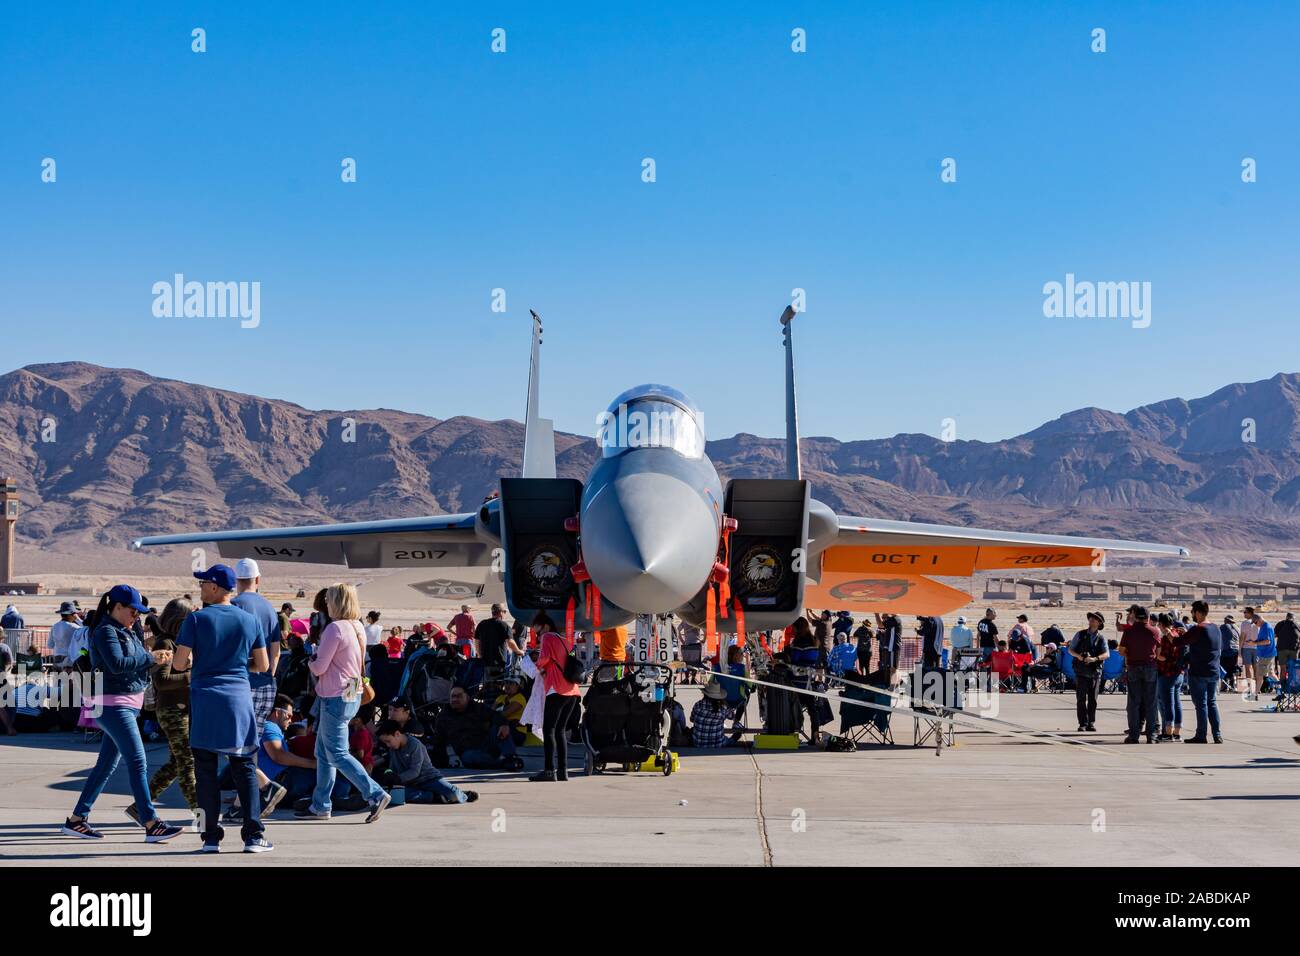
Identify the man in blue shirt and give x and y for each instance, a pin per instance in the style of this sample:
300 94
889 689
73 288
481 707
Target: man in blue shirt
248 577
1265 652
223 645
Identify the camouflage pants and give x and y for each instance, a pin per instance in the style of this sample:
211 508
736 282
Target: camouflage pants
175 723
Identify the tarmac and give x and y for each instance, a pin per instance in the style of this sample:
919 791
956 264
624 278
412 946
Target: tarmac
992 800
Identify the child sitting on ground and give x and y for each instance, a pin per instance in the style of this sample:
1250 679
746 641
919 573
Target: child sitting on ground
409 766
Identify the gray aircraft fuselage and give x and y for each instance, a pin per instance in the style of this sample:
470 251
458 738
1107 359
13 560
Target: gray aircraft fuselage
651 517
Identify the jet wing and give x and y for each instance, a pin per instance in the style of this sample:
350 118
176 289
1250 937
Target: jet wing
880 565
434 541
877 544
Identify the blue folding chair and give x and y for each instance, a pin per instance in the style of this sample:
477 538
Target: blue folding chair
1067 670
1289 696
1111 671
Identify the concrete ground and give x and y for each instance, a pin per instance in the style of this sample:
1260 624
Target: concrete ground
992 800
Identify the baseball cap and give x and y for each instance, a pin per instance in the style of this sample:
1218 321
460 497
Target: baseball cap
286 606
219 574
246 569
125 594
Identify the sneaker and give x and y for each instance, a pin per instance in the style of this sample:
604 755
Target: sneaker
302 803
1091 728
470 795
159 832
1196 740
311 813
1082 728
233 815
259 845
1130 740
379 806
271 798
80 828
211 848
1218 739
133 813
546 776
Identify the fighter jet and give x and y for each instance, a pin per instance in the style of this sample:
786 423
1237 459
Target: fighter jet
653 530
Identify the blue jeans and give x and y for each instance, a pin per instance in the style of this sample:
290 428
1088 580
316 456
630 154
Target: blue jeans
1169 693
121 739
332 754
1141 699
435 791
489 757
1205 698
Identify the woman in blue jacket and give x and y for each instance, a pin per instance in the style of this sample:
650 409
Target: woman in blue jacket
121 667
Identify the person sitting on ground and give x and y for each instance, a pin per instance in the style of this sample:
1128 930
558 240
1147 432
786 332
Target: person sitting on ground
297 774
510 704
709 716
409 766
477 735
361 741
400 710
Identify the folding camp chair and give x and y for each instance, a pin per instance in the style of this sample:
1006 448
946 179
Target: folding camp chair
1289 695
1003 664
1065 676
932 701
1112 672
865 724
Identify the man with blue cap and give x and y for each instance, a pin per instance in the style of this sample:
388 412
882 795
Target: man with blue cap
223 645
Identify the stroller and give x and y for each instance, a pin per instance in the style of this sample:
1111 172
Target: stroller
432 676
623 717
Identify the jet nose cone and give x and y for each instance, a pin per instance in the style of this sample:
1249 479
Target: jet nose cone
649 541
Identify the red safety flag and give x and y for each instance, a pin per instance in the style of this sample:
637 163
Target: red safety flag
710 622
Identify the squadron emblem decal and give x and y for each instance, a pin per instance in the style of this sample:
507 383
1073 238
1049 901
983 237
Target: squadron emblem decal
872 589
547 570
762 569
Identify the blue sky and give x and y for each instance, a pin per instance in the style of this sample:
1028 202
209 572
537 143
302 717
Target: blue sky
775 170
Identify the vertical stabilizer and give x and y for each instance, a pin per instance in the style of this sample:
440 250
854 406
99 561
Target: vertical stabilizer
539 433
793 465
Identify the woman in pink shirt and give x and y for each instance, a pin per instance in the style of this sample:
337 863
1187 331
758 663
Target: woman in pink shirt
339 665
561 699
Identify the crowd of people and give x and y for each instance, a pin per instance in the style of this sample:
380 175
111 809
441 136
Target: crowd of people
333 712
259 708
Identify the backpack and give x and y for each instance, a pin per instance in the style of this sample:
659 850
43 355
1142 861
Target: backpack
573 669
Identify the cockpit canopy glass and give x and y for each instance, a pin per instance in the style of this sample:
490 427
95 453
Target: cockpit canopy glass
650 416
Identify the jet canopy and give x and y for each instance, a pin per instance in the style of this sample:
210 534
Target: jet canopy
651 416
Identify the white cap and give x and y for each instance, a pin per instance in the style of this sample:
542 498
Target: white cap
246 569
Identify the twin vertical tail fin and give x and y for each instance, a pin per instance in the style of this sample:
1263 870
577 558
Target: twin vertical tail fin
793 464
539 433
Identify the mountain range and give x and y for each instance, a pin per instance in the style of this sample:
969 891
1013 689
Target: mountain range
104 455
